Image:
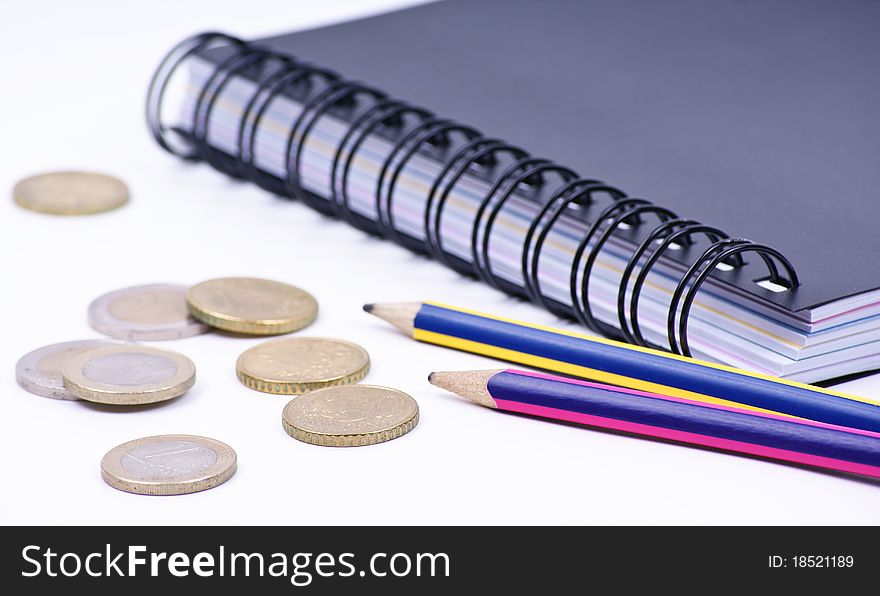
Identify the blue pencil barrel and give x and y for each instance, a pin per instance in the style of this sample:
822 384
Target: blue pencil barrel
745 427
654 367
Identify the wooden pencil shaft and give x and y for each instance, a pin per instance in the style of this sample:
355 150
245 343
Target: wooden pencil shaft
650 370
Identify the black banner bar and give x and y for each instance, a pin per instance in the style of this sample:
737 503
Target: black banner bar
316 560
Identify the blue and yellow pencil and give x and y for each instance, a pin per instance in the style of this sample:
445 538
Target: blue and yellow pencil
616 363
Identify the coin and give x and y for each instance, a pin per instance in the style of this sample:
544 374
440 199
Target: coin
297 365
168 465
40 371
145 313
128 375
251 306
350 416
70 193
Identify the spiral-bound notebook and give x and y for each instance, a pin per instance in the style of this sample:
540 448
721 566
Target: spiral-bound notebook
698 177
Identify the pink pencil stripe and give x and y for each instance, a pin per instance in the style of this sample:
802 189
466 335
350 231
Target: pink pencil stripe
848 429
692 438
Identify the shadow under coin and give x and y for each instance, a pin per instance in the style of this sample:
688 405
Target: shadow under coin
119 409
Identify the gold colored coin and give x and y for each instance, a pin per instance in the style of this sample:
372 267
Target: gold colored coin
128 374
298 365
350 416
168 465
70 193
251 306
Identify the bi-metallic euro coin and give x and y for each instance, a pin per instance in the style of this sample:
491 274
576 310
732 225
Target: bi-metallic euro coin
168 465
40 371
145 313
128 375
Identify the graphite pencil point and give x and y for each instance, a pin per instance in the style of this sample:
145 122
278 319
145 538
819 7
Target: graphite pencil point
402 314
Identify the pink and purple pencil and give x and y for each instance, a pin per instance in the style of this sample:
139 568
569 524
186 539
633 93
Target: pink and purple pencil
769 436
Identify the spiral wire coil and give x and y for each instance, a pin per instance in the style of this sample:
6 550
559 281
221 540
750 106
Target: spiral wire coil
415 129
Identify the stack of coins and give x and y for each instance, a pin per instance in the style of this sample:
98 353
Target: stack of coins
330 410
105 372
114 372
102 371
130 374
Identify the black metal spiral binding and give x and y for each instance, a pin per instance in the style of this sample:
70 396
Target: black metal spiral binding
659 234
625 210
409 129
429 128
376 112
577 192
507 181
414 136
700 270
159 84
478 152
679 231
440 134
288 74
392 115
491 153
335 93
207 99
480 241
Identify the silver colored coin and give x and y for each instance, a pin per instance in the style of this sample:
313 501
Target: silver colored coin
128 375
39 372
168 465
145 313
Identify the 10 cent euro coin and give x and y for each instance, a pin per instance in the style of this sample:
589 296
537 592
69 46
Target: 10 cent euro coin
350 416
70 193
251 306
301 364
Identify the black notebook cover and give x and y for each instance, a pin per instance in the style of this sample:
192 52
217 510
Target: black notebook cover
762 118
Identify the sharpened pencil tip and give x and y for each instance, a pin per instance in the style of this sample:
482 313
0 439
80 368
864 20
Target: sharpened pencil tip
469 384
400 314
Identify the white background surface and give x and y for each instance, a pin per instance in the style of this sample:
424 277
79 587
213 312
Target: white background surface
75 76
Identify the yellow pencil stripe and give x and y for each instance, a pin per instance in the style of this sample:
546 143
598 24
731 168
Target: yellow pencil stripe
618 344
582 372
